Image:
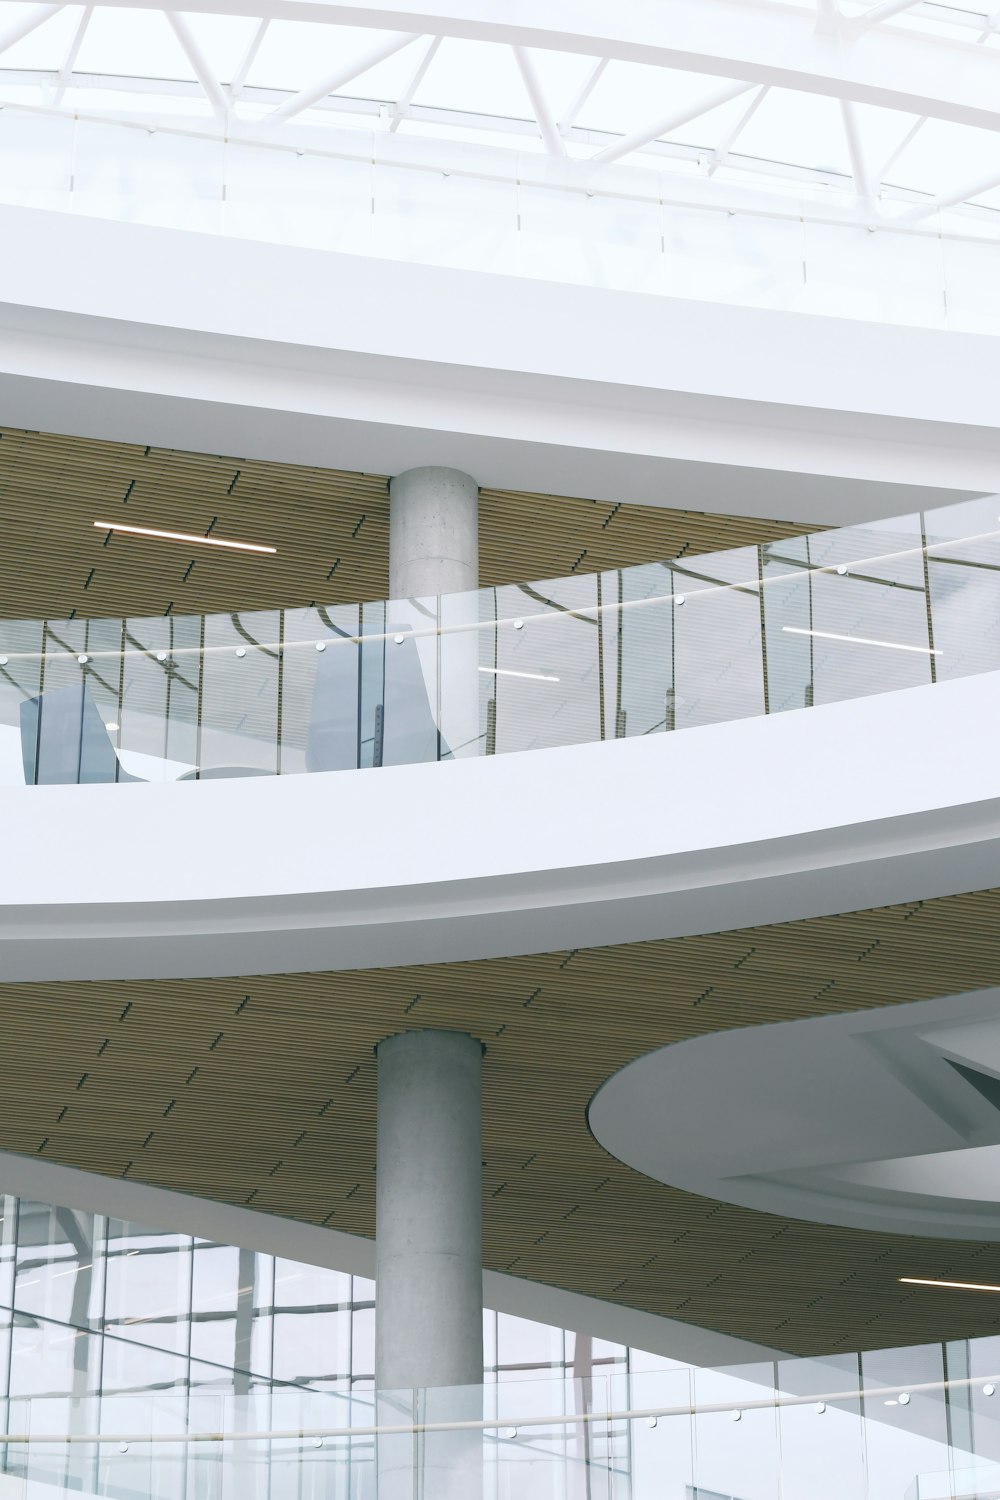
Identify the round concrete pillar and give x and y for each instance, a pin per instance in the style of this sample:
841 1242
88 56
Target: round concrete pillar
428 1212
433 533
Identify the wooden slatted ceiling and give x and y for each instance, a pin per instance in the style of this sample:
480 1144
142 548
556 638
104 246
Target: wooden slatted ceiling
330 526
261 1092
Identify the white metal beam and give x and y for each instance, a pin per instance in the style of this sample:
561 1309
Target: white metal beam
341 76
856 151
72 53
722 151
966 194
893 158
26 24
405 99
885 11
756 41
551 138
247 61
590 83
206 78
667 123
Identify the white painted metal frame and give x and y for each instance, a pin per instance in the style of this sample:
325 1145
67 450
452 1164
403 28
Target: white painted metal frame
877 54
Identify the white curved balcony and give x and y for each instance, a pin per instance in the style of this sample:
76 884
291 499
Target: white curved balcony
420 837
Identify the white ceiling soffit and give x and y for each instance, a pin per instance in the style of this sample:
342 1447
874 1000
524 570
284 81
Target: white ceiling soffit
892 106
885 1119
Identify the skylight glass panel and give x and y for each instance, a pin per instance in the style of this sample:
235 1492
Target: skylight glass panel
476 78
804 130
944 156
883 132
132 43
514 139
561 76
710 131
388 79
47 46
296 54
129 104
630 96
222 41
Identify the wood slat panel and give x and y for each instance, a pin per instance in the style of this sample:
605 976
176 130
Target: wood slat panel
331 528
262 1091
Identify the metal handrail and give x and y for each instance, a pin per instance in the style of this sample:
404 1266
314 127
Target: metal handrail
585 611
494 1424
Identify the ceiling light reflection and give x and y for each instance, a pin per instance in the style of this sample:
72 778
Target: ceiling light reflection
183 536
861 640
961 1286
509 672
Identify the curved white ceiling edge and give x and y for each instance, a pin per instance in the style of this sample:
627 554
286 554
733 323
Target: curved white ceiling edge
269 1234
267 351
859 1119
891 798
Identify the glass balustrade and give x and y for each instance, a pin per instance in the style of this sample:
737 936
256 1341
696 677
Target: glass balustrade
888 1425
642 650
794 245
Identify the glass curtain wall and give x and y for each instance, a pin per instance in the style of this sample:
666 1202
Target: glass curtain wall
91 1304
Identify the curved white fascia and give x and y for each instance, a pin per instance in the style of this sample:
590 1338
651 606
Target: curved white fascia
886 1119
306 356
854 805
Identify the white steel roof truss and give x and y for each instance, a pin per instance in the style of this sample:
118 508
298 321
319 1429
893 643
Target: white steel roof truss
690 34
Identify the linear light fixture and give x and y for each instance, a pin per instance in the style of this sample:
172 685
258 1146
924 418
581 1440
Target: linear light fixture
861 640
509 672
183 536
960 1286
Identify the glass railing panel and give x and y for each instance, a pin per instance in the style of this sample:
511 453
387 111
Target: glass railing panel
445 218
906 1427
887 276
320 689
20 680
975 1407
820 1428
316 201
716 255
969 281
157 723
148 176
717 661
551 1438
579 233
789 596
36 159
465 716
652 1453
963 571
856 622
80 679
241 657
637 650
547 664
736 1451
407 733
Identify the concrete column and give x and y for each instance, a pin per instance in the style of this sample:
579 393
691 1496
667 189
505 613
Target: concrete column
428 1212
434 550
433 533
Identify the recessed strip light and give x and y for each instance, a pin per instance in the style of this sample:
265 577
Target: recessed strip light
183 536
509 672
959 1286
861 640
